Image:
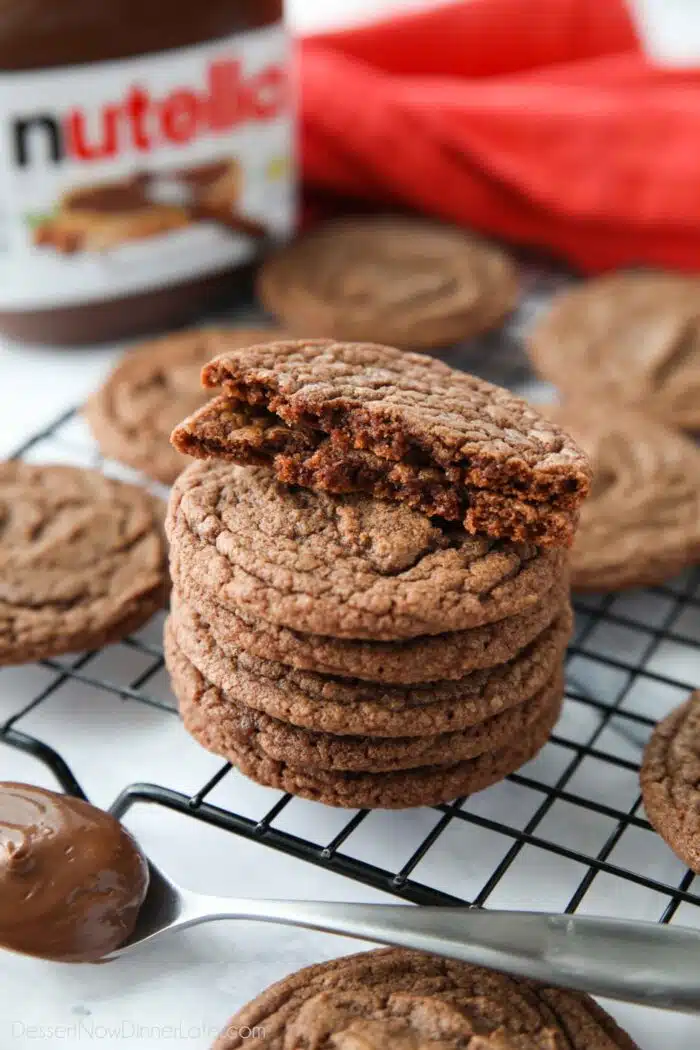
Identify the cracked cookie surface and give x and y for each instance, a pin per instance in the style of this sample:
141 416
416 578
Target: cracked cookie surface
397 789
425 659
82 560
641 522
346 707
670 776
149 391
345 566
405 281
356 417
415 1001
233 723
631 338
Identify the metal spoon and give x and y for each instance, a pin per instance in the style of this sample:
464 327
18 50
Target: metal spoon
640 962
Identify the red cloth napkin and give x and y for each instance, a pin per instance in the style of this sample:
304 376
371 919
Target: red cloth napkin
539 121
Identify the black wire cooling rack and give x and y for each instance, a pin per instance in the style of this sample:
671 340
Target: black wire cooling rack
633 657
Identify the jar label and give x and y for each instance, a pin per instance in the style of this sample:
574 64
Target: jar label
129 176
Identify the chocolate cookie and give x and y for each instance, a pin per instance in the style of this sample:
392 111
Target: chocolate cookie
406 789
352 707
670 776
403 789
82 560
231 724
431 658
151 388
400 998
641 523
633 338
403 281
345 566
355 417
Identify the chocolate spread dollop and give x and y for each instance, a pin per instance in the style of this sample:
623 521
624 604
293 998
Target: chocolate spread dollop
72 879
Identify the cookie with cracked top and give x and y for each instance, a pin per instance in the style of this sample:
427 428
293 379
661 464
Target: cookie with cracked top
430 658
396 789
402 789
357 417
82 560
345 566
641 522
149 391
350 707
405 281
232 724
631 338
670 775
401 998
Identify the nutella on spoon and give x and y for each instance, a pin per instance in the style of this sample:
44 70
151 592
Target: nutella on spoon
72 879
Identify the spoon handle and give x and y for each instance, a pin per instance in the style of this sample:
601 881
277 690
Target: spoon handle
635 961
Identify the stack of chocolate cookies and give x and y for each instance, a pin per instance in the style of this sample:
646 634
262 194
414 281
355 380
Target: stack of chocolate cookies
370 601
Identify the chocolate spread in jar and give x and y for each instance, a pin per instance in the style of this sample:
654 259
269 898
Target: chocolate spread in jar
72 879
149 160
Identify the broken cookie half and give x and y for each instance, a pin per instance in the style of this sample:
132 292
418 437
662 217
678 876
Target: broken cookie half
356 417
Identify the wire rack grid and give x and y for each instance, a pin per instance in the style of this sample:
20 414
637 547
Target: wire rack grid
565 833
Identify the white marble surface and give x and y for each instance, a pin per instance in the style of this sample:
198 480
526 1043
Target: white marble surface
182 993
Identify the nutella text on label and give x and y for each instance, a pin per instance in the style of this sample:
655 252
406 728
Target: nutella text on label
143 122
138 175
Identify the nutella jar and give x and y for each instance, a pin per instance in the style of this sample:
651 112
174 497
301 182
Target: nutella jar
147 159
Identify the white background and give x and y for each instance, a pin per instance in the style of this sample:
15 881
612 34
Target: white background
198 980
